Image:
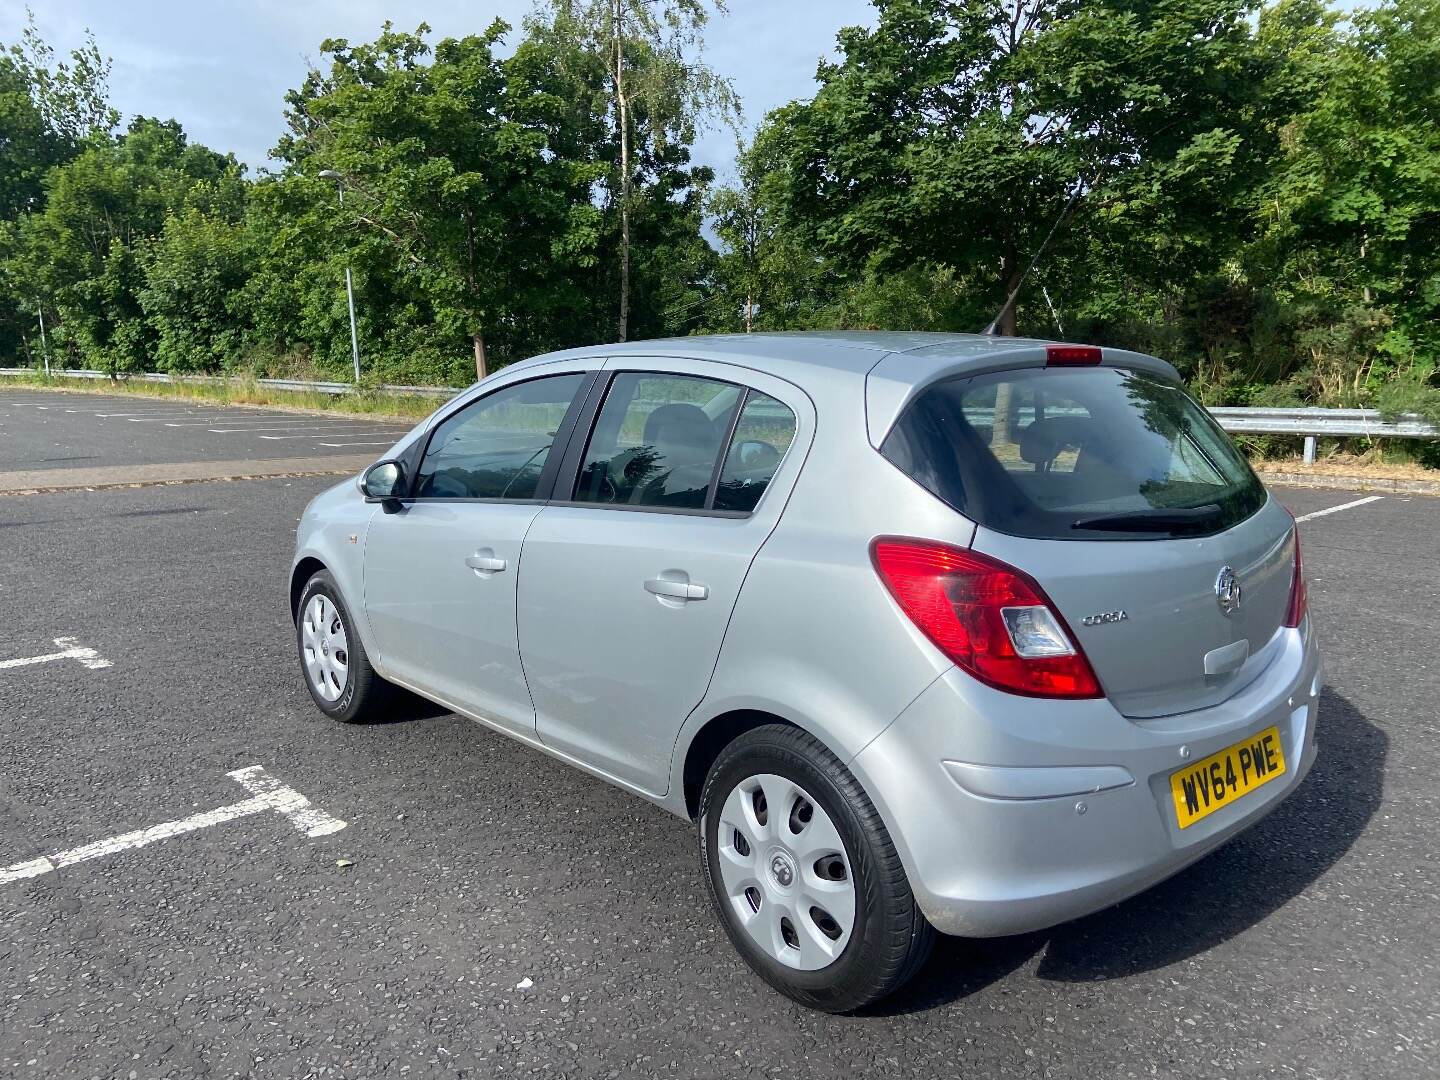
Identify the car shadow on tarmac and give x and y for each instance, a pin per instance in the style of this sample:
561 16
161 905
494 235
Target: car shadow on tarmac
1224 894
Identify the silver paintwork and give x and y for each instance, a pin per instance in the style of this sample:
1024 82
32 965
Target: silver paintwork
583 646
769 872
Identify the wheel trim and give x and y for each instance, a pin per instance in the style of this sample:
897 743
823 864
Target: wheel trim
775 861
325 647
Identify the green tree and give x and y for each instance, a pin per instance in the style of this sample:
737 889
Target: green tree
639 62
1350 212
47 108
957 133
769 276
83 251
192 294
450 174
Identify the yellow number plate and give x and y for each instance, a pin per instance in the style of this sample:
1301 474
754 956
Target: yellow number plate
1218 780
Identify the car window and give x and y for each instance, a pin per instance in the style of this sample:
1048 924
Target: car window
496 447
762 436
657 441
1050 452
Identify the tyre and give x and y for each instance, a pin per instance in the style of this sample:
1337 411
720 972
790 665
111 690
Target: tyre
804 874
337 671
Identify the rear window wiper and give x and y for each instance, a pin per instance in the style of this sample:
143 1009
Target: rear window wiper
1177 518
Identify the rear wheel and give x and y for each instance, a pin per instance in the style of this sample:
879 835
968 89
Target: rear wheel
337 670
804 874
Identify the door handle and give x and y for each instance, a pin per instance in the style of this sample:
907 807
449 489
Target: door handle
676 590
485 561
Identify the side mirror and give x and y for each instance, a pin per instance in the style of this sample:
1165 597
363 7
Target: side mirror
384 482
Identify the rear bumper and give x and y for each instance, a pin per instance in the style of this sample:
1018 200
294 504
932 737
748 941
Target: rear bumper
1013 814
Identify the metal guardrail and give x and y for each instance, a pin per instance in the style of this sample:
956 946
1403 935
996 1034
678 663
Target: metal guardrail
1361 423
1349 423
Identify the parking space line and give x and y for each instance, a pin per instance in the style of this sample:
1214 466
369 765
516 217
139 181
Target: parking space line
69 650
1337 509
273 427
354 434
266 422
267 793
160 418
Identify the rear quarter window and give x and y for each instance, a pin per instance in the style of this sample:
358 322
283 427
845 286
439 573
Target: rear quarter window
1056 453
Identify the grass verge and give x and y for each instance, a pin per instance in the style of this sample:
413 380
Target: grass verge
362 402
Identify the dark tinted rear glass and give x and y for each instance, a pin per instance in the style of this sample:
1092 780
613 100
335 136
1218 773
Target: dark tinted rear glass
1075 454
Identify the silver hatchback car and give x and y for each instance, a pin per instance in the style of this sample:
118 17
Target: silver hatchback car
925 632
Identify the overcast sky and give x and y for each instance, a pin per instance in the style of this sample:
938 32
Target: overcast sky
222 67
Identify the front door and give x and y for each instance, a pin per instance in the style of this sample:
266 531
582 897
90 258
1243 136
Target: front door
629 584
440 574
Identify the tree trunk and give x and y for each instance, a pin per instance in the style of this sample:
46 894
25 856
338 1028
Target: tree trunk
622 114
1002 425
481 370
1009 281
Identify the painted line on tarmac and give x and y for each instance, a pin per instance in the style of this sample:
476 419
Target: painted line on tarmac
389 443
267 793
160 418
237 425
353 434
271 427
168 414
1337 509
267 422
69 650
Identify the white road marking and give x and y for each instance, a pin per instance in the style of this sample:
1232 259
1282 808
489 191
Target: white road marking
354 434
390 443
268 422
254 431
69 650
267 793
160 418
1337 509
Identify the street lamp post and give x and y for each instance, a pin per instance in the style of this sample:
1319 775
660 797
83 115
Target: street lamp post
44 343
331 174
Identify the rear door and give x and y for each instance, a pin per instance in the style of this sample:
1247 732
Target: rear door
631 574
440 574
1137 515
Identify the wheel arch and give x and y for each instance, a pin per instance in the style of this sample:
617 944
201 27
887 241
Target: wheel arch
710 741
303 571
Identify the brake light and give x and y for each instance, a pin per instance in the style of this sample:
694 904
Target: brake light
1071 355
1299 595
989 618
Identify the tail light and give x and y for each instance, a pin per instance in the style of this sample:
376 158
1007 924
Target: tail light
1299 596
1071 355
989 618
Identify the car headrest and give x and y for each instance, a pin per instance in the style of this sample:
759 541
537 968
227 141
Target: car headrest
681 426
1043 439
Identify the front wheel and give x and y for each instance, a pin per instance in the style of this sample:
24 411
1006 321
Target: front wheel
804 874
337 670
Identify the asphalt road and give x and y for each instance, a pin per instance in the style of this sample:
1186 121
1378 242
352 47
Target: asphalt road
474 867
60 430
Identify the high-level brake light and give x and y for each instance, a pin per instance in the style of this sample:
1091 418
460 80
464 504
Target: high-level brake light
1072 355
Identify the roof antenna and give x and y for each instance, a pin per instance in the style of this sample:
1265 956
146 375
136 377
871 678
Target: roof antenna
989 331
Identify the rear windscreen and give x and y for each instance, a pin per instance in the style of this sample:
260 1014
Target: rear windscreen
1075 454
